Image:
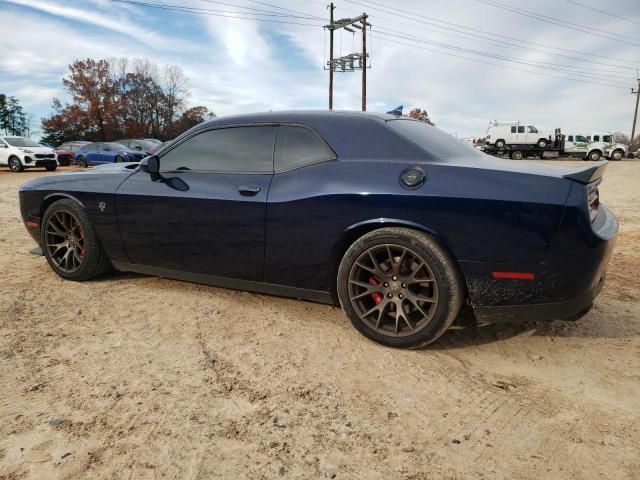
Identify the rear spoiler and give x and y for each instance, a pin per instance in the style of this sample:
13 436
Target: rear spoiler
590 174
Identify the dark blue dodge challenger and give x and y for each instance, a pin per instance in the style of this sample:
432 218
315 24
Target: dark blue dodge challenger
399 223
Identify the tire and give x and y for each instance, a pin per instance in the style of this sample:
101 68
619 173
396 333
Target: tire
499 144
51 168
517 155
119 159
438 282
542 143
617 155
90 261
595 156
15 165
82 162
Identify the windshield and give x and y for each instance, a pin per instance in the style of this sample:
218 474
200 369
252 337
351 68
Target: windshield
21 142
145 143
432 140
153 140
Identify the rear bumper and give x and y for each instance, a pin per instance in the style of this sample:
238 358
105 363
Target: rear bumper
567 310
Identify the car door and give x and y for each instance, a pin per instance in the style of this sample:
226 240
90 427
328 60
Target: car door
4 152
93 153
205 211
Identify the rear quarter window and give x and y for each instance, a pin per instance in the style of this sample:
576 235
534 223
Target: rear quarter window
299 146
435 142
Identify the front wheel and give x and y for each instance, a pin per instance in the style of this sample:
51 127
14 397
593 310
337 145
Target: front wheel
542 143
399 287
500 144
119 159
15 165
70 243
617 155
595 156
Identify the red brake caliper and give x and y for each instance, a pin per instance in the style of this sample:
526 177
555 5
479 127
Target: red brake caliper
377 296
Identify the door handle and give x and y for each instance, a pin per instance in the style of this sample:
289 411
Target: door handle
249 190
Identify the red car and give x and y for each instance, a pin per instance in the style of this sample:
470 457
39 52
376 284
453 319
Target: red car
65 151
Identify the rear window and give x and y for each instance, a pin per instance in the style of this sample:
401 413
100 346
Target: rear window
434 141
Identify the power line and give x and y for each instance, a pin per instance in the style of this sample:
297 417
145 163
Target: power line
569 25
544 65
603 12
508 67
466 29
213 13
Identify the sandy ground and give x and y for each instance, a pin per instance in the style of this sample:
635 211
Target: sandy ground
138 377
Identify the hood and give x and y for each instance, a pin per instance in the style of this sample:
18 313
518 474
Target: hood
44 150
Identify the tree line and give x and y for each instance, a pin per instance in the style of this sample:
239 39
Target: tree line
13 119
117 98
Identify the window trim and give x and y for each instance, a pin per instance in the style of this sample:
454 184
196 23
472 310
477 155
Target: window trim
177 143
314 134
276 125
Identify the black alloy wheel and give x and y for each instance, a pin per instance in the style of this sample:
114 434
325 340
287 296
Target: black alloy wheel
64 241
393 290
70 243
400 287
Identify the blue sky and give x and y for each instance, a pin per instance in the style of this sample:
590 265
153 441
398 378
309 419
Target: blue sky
235 65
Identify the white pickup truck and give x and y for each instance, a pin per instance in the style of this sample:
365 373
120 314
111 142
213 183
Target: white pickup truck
612 149
579 146
502 132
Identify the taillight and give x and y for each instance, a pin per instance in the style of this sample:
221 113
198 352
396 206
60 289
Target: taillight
593 201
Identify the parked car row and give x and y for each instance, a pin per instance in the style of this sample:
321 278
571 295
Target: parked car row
19 153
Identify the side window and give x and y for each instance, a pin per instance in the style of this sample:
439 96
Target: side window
596 138
532 129
513 129
521 129
570 138
224 150
299 146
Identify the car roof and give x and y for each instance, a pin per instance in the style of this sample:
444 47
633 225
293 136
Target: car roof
296 116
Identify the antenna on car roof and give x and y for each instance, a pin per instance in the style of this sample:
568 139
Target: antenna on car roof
396 111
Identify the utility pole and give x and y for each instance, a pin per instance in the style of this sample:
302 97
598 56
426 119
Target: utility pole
352 61
331 7
364 56
635 113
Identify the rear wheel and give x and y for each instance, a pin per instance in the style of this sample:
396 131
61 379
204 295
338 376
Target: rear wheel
500 144
70 243
517 155
82 162
595 156
399 287
15 164
542 143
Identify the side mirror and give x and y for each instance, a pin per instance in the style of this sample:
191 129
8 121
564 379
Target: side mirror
150 165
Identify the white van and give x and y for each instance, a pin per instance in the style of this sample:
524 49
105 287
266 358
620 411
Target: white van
501 133
613 150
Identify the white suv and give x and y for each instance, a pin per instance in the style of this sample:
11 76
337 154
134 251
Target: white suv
19 153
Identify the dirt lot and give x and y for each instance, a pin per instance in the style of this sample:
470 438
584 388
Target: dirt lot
138 377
